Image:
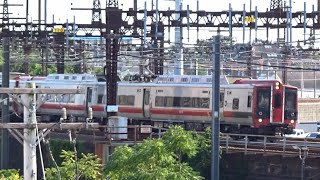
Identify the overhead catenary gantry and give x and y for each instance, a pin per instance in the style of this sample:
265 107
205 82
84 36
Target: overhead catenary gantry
149 25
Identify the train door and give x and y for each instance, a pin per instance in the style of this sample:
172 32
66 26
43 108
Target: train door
146 102
88 98
222 103
263 103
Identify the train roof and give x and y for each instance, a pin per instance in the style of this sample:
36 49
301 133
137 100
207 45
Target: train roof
240 86
189 79
72 77
262 82
257 81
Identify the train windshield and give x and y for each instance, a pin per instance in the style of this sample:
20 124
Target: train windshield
290 99
264 96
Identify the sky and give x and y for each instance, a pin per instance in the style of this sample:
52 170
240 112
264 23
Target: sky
62 11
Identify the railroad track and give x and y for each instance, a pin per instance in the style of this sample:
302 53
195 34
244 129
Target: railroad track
269 145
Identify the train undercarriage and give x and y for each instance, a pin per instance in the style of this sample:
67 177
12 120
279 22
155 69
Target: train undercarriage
271 130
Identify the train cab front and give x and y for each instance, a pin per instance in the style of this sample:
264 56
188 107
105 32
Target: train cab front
262 107
290 106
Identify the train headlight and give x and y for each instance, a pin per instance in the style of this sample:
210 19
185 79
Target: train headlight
292 121
277 85
260 120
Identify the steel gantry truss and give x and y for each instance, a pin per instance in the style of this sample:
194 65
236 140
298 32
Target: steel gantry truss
201 19
155 23
146 24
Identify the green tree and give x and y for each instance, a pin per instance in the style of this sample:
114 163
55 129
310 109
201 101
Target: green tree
88 165
155 158
10 174
201 162
181 142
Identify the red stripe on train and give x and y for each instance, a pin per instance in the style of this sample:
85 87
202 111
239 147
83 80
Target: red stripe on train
72 107
130 110
228 114
181 112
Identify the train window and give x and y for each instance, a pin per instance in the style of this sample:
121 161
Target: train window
66 78
196 102
146 97
195 79
277 100
176 101
249 101
209 80
122 100
100 98
235 103
74 77
66 98
290 99
130 100
89 95
264 98
50 98
221 100
59 98
186 102
159 101
72 98
168 101
184 79
205 102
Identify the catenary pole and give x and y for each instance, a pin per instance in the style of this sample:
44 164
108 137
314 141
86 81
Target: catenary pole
30 140
5 105
215 109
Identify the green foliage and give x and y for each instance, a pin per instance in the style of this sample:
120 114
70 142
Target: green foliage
10 174
89 167
1 56
181 142
155 158
59 145
98 70
201 162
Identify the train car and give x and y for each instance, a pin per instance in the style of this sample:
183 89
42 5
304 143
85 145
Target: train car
247 106
244 107
77 105
283 102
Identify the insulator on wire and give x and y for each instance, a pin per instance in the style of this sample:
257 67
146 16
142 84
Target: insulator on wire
90 115
64 113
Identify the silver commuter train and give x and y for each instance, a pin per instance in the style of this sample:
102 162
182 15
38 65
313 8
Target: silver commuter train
183 100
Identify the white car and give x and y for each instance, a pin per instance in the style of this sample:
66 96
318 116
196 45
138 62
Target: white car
297 133
313 135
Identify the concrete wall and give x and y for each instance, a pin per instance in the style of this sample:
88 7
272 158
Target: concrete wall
238 166
309 110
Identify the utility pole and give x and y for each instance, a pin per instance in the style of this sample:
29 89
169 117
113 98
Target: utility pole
113 24
215 144
5 105
5 83
30 138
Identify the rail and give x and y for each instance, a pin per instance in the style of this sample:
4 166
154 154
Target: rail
268 144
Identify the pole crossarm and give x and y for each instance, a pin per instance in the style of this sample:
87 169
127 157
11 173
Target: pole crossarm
40 91
60 126
17 135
